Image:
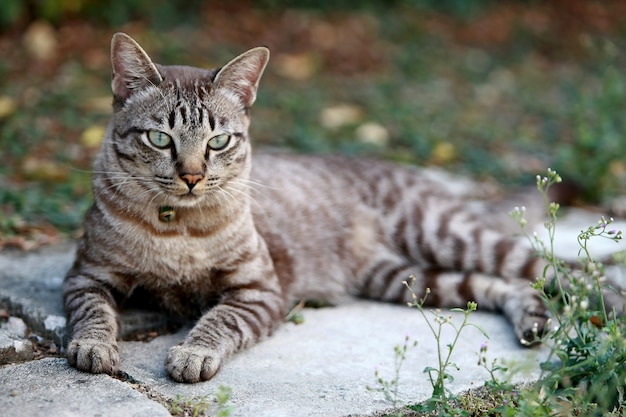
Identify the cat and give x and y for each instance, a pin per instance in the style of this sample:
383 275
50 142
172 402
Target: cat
185 216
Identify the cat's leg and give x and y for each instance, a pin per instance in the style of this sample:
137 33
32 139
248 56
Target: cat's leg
252 306
92 317
519 302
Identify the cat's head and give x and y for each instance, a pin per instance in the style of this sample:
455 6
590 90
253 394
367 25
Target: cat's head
181 132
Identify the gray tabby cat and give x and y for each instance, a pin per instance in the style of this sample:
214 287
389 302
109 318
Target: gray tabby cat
175 220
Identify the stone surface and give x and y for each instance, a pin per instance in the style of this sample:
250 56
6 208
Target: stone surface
13 349
15 327
323 366
30 287
49 387
13 346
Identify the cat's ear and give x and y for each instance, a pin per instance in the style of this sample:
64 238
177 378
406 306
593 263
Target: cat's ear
132 67
242 74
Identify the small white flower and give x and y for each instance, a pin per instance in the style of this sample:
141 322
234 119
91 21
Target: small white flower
584 304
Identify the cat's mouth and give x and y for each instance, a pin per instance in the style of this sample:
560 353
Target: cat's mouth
188 198
191 197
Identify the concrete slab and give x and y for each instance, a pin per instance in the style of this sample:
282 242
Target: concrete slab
49 387
324 366
30 287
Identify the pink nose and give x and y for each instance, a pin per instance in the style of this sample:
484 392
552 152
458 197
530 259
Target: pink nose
191 179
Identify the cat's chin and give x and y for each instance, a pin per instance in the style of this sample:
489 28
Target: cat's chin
188 200
184 200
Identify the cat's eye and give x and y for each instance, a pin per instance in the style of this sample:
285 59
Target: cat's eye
219 142
159 139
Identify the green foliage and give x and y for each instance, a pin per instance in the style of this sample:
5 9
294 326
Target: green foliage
594 157
502 110
440 376
166 14
159 13
11 11
62 205
189 406
223 397
586 366
201 406
460 8
389 388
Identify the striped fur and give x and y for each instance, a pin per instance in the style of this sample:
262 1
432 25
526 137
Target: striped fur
249 236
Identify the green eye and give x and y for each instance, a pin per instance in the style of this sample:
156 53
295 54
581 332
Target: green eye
219 142
159 139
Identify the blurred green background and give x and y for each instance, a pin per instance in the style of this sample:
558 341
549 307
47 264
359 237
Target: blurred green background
493 89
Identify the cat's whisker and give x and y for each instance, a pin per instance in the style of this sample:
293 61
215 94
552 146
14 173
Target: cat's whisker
223 192
91 171
220 198
247 194
153 190
157 194
252 184
117 183
115 186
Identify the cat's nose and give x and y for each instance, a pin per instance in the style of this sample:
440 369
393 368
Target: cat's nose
191 179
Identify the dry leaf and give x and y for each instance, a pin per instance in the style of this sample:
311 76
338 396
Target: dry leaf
334 117
92 136
39 169
443 152
7 106
40 41
296 66
373 133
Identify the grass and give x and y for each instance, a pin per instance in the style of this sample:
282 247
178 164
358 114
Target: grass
182 406
482 90
585 368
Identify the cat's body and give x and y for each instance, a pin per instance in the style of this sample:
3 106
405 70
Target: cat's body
178 217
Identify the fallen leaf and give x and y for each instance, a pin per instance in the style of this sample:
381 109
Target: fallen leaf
97 104
373 133
92 136
38 169
334 117
443 152
296 66
7 106
40 41
29 237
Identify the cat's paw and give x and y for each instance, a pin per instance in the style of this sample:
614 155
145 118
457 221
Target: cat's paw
92 355
188 363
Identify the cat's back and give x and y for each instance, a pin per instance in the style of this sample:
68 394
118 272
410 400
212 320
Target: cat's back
325 218
327 189
345 180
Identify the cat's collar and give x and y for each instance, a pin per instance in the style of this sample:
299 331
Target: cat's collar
167 214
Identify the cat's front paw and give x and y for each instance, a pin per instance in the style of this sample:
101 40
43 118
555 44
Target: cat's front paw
92 355
188 363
